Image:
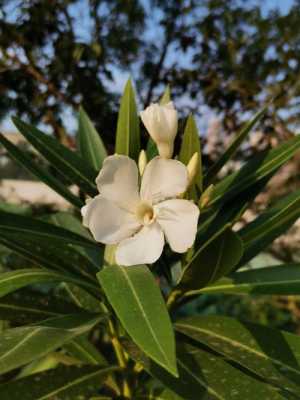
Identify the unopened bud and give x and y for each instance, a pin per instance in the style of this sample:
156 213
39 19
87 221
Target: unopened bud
206 195
192 167
142 161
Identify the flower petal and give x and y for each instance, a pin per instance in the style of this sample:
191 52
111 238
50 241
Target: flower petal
143 248
108 223
118 181
178 219
162 179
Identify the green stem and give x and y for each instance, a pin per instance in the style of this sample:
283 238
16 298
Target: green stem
121 357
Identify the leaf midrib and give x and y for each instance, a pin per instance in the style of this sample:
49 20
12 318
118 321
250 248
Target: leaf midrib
145 315
260 172
237 344
57 156
74 382
248 237
200 381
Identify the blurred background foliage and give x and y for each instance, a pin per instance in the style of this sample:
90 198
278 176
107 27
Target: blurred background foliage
222 59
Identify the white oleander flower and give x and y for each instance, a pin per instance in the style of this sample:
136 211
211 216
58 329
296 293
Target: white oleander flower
139 221
161 121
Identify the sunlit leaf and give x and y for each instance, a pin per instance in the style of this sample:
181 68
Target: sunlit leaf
137 301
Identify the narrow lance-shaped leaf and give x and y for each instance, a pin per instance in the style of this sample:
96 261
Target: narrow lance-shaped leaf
90 144
261 232
22 225
214 260
190 145
63 383
14 280
275 280
271 354
233 147
204 376
27 306
65 161
20 346
68 221
143 314
253 171
128 128
41 254
40 172
228 213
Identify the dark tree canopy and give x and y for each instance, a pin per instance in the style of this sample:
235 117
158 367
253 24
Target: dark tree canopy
228 55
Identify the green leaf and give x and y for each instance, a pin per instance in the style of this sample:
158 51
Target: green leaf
229 213
190 145
41 254
73 224
85 351
65 161
63 383
137 301
14 280
40 172
268 353
261 232
20 346
31 227
166 97
275 280
253 171
233 147
90 144
27 306
128 128
212 261
204 376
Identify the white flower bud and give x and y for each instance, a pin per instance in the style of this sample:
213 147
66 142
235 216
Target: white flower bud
192 167
161 121
142 162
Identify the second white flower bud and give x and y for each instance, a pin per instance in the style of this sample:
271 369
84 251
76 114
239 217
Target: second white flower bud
161 121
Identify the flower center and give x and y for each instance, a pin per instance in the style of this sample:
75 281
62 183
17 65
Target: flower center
145 213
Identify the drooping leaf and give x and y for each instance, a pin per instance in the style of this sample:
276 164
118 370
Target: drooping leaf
83 350
63 383
28 306
275 280
91 146
253 171
94 256
261 232
40 172
53 256
19 346
128 128
271 354
143 313
14 280
65 161
190 145
204 376
233 147
215 259
32 227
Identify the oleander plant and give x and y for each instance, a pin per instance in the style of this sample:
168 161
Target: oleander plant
96 308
